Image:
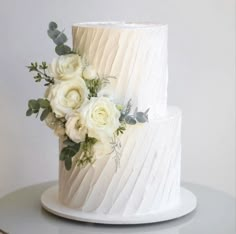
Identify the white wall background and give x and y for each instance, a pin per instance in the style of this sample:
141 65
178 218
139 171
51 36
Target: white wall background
201 82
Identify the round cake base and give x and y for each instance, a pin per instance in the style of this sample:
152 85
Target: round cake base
49 201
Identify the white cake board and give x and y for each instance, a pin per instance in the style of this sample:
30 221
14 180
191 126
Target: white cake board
50 202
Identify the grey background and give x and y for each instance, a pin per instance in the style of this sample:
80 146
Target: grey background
201 82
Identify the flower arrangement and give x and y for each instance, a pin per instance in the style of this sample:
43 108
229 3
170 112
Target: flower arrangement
74 107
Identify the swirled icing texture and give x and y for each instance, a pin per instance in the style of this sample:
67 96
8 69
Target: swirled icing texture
135 54
148 179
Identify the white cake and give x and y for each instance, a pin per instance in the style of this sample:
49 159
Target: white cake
148 177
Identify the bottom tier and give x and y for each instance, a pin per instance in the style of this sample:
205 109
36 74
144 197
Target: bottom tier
147 179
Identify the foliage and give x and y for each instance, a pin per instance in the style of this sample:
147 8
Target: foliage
68 152
71 149
95 85
121 129
59 38
86 156
34 107
137 116
41 73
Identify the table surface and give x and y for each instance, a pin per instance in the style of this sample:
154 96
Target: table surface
21 213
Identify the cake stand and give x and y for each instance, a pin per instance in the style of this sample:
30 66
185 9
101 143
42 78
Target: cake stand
50 202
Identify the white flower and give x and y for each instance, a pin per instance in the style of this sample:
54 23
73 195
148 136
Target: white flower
89 73
67 96
101 117
66 67
74 128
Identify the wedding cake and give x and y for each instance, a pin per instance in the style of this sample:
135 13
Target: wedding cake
144 177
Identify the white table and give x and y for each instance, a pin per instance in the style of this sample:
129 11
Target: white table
21 213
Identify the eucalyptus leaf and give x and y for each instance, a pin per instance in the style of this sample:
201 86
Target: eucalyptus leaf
44 103
68 163
69 142
53 34
29 112
62 49
60 39
33 104
52 25
130 120
44 114
141 117
68 151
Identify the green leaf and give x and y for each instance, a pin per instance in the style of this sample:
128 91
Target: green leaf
68 163
53 33
130 120
62 49
52 25
60 39
44 114
62 155
33 105
69 142
69 151
141 117
44 103
29 112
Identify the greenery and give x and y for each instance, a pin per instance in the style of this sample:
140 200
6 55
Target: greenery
132 119
41 73
121 129
68 152
95 85
86 156
72 148
116 150
34 107
59 38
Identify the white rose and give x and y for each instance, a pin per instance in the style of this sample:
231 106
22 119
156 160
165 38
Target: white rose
67 96
89 73
74 129
101 117
66 67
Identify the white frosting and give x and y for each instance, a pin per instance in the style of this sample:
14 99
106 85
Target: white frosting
135 53
147 180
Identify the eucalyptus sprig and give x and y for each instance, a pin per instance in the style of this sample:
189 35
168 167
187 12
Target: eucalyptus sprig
34 107
41 73
132 119
59 38
68 152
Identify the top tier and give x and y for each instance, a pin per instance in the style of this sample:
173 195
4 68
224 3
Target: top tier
136 54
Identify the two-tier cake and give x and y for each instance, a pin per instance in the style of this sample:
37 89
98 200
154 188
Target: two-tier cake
146 180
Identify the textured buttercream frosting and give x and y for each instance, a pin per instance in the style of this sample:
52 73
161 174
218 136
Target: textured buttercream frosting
136 54
148 177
